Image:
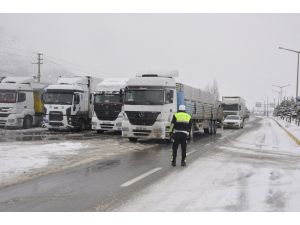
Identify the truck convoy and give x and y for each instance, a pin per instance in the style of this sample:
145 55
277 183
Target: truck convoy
20 102
152 99
68 103
108 105
234 105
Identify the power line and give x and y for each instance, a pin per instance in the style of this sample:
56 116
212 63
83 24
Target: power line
19 49
15 54
63 65
4 71
70 64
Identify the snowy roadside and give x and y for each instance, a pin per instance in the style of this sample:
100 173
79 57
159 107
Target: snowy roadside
6 132
23 160
291 127
258 171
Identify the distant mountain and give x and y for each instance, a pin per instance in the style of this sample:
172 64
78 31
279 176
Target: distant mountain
16 60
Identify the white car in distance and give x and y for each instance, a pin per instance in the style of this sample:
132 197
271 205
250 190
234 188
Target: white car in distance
233 121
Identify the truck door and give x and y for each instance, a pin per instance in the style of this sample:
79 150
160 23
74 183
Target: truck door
76 103
23 101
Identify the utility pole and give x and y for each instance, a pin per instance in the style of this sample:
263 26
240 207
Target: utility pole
39 63
297 52
267 106
281 90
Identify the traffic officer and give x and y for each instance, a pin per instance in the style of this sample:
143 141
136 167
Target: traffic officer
180 127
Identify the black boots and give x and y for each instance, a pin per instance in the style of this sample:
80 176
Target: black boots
183 163
173 163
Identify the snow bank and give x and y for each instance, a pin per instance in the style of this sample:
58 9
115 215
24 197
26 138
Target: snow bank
258 171
291 127
23 157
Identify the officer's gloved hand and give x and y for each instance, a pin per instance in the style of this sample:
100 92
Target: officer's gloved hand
171 137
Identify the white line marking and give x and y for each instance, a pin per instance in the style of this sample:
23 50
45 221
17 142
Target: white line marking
138 178
191 152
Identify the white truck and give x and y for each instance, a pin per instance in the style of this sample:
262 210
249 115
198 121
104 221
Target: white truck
234 105
151 100
108 105
20 102
68 103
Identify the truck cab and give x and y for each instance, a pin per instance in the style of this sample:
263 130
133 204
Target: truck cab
108 105
68 104
234 105
20 102
149 104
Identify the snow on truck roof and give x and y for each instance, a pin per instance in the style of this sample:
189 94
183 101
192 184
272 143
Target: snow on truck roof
112 84
72 80
65 87
169 74
151 81
18 80
21 83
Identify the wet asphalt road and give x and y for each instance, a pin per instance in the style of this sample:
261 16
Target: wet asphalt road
99 186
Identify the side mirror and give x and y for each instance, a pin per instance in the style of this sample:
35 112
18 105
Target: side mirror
121 95
76 99
42 98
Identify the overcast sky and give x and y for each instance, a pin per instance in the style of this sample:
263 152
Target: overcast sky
240 51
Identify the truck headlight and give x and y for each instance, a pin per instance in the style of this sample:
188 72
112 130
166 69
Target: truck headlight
11 120
159 117
125 116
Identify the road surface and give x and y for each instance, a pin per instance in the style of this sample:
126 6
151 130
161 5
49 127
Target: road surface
253 169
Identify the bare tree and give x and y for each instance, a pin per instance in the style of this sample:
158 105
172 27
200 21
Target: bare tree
213 89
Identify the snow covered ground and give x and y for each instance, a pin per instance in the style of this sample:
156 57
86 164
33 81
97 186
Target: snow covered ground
291 127
258 171
50 152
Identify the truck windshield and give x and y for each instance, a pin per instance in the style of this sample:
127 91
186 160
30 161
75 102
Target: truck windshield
58 98
232 107
144 97
107 98
8 96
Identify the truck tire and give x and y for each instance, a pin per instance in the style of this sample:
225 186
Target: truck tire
100 131
132 139
206 130
211 128
81 125
27 122
214 127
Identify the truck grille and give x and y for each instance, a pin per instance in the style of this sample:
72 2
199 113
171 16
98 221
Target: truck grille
107 111
142 118
4 114
107 126
2 123
56 124
55 116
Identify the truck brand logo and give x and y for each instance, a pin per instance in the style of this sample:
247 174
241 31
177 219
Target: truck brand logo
141 114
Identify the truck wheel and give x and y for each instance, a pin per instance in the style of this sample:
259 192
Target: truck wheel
27 122
100 131
131 139
206 131
81 125
211 128
215 128
192 132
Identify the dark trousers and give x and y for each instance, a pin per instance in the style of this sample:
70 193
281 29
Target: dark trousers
179 138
